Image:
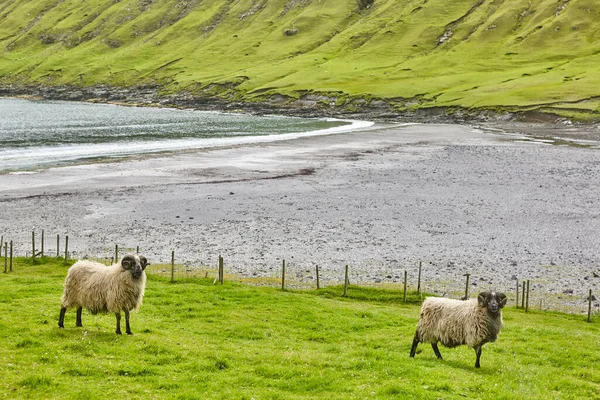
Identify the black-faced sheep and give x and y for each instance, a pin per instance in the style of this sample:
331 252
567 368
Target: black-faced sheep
101 289
473 322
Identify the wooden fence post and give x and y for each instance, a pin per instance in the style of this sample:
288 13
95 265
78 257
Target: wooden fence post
527 298
221 270
517 294
11 255
467 287
405 279
33 245
116 253
318 283
283 275
66 248
42 245
57 245
5 256
346 283
589 318
172 265
419 280
137 249
523 296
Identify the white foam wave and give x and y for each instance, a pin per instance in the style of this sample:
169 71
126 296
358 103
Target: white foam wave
44 156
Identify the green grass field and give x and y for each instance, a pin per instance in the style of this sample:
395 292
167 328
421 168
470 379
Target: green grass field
195 340
472 54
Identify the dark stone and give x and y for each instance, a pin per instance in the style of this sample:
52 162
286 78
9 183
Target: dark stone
365 4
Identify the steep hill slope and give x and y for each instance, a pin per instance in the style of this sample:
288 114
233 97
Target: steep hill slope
408 54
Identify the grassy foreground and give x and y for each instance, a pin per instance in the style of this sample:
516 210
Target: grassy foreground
195 340
539 55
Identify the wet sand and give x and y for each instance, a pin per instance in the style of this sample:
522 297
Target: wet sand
460 199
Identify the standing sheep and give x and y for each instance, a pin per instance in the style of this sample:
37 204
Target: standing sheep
473 322
102 289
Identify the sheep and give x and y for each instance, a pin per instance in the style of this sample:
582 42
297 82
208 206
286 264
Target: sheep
101 289
473 322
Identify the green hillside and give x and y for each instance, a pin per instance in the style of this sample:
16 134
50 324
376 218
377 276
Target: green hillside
196 340
502 55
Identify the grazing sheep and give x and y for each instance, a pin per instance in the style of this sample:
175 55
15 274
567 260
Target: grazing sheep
100 289
473 322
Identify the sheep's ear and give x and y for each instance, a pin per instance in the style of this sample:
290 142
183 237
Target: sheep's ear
144 262
502 299
483 298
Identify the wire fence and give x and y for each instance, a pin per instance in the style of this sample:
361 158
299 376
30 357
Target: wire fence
300 274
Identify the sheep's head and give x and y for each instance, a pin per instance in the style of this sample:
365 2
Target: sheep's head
494 301
134 263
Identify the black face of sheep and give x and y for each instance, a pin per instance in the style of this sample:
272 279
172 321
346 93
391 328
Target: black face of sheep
136 266
443 320
100 289
492 300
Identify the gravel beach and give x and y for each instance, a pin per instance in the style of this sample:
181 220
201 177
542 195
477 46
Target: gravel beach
490 202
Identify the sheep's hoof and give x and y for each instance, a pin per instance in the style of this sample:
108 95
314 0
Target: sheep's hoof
130 333
118 332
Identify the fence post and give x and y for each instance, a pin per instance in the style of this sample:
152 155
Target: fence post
221 270
11 254
137 249
33 245
527 298
5 256
467 287
283 275
318 283
589 318
66 248
346 283
42 249
172 265
405 279
517 294
523 296
419 280
116 253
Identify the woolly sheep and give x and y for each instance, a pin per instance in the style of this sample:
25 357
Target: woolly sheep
473 322
101 289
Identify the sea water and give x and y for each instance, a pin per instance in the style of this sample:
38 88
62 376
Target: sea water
39 134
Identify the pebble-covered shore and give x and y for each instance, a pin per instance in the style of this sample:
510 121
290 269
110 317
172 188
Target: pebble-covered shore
460 199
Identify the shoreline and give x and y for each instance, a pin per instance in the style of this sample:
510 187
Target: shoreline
458 198
308 105
203 130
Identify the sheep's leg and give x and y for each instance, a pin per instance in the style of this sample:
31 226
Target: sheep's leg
436 350
61 318
478 354
78 320
413 349
127 328
118 331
